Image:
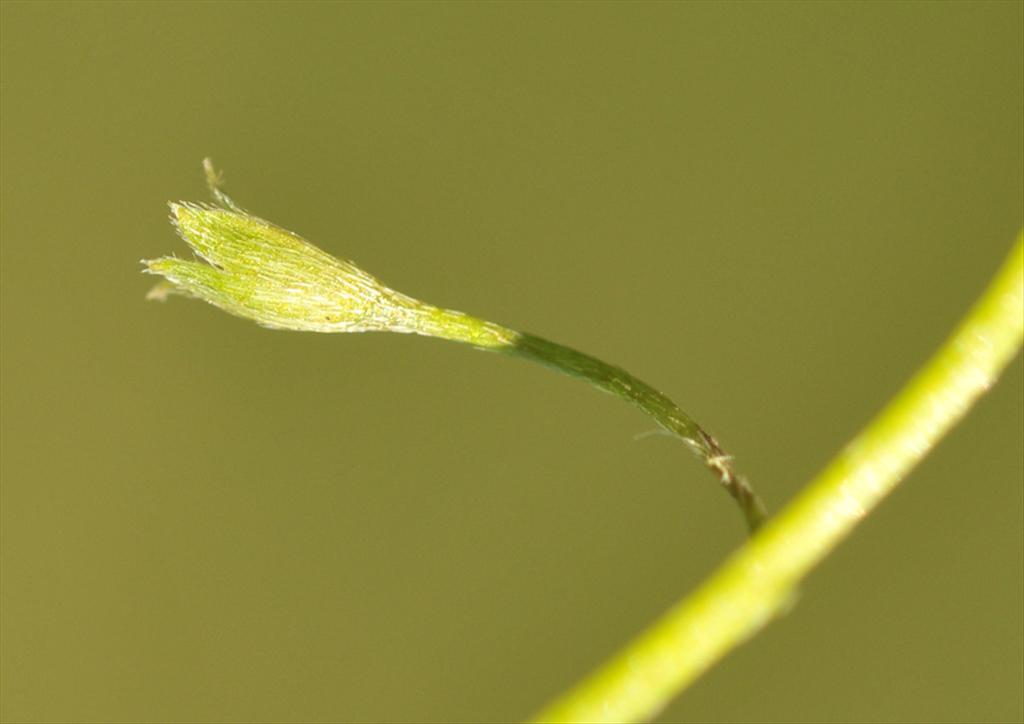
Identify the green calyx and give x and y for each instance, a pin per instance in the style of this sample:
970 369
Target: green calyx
257 270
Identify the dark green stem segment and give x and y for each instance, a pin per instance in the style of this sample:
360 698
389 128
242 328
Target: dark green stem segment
617 381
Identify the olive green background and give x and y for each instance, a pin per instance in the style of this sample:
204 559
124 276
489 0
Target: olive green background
772 212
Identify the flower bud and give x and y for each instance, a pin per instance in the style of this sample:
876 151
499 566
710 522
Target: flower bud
254 269
262 272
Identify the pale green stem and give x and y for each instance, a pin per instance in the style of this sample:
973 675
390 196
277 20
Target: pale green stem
750 588
452 325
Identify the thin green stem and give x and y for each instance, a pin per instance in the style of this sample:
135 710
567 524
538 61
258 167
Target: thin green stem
750 588
457 326
616 381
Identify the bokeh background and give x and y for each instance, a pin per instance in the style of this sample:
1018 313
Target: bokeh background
772 212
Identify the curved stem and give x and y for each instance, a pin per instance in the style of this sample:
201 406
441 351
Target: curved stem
759 580
457 326
616 381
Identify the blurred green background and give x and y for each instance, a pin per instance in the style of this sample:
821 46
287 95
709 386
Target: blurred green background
772 212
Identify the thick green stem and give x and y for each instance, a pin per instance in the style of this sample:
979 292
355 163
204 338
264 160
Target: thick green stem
759 579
